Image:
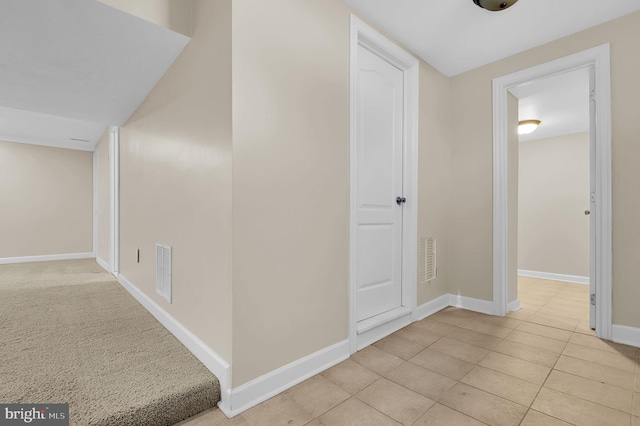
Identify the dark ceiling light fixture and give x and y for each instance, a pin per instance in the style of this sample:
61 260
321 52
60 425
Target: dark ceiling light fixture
495 5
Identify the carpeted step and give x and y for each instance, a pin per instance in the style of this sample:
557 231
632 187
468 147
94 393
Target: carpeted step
93 346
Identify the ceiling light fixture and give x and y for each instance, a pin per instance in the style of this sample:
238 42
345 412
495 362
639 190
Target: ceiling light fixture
495 5
527 126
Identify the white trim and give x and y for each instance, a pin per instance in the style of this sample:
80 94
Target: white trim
214 362
103 264
514 305
264 387
95 202
385 317
471 304
45 258
555 277
364 35
500 201
599 58
625 335
234 401
402 317
604 248
114 199
368 334
431 307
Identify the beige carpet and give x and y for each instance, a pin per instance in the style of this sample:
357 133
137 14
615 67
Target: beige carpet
70 334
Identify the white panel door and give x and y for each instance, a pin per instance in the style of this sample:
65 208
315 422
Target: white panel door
378 150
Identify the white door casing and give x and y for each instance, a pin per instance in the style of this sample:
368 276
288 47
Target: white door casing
114 199
601 260
592 196
366 331
379 99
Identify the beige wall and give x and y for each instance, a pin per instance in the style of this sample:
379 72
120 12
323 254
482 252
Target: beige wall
287 107
470 224
433 173
291 180
46 202
512 188
176 181
554 193
175 15
104 199
471 153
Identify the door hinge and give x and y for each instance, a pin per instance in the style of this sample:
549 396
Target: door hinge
593 299
592 95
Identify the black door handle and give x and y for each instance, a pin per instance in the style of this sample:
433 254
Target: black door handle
400 200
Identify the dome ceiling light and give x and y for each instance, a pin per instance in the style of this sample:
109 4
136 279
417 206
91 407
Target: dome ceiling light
495 5
527 126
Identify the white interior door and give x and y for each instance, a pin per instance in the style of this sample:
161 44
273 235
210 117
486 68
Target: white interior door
592 199
378 150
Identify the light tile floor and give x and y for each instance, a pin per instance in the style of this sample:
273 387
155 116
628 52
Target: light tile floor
541 365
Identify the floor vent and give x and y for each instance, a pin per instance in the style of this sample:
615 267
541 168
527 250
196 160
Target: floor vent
163 271
428 269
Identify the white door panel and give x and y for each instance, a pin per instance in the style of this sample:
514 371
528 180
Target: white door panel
376 290
379 106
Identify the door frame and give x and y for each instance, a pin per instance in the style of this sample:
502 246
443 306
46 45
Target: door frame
598 58
367 37
96 173
114 199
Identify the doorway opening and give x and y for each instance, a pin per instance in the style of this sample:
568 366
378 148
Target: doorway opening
597 59
549 200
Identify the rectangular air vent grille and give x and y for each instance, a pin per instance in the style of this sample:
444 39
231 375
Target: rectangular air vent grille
163 271
428 269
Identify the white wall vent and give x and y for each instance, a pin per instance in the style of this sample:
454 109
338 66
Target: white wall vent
163 271
428 268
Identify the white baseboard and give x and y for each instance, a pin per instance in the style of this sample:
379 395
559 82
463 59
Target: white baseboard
431 307
104 264
368 335
476 305
555 277
258 390
236 400
214 362
514 305
625 335
45 258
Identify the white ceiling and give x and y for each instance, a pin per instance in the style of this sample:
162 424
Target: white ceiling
70 68
49 130
456 35
560 102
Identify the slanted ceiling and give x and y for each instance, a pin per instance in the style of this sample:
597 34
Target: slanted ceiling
70 68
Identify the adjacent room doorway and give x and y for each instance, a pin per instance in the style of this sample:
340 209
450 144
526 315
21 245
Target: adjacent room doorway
597 59
551 182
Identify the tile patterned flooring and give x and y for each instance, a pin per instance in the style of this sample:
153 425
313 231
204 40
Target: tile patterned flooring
538 366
